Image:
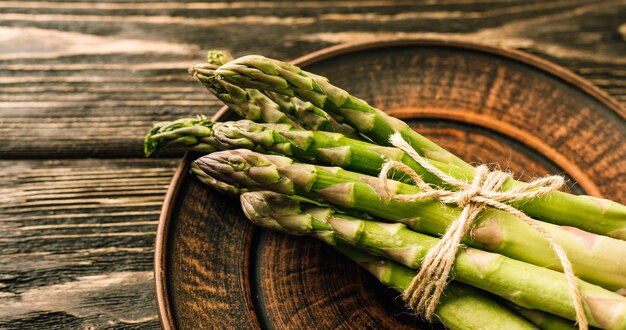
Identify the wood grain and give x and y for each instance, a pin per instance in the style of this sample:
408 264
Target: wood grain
85 79
107 72
77 242
214 225
488 106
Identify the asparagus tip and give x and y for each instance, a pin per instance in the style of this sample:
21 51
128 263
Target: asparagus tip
202 69
215 58
150 145
218 57
163 132
192 71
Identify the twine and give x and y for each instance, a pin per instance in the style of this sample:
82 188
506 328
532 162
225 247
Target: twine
425 290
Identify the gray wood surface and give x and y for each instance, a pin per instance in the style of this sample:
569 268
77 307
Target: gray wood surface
81 82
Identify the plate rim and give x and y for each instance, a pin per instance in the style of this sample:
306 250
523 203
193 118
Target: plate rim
160 250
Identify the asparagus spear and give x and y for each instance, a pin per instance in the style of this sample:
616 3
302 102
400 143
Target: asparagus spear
265 106
524 284
185 132
320 147
543 320
220 186
306 114
247 103
462 307
597 259
267 74
305 146
251 104
309 116
588 213
387 271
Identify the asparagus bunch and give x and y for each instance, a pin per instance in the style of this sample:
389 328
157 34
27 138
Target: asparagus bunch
585 212
524 284
462 307
598 259
267 107
321 147
285 101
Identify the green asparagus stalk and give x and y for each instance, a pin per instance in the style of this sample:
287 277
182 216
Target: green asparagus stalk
543 320
247 103
592 214
220 186
524 284
199 134
306 146
462 307
266 106
309 116
539 318
305 113
185 133
267 74
597 259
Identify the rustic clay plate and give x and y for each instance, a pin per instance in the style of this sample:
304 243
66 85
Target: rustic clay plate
214 270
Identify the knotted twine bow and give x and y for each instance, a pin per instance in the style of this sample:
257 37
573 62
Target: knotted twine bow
426 288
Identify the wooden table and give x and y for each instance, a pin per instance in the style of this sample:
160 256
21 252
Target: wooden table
80 84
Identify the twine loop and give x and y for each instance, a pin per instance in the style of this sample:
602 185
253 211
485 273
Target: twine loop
427 286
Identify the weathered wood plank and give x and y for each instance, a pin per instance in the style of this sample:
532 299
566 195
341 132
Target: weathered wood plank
77 242
107 72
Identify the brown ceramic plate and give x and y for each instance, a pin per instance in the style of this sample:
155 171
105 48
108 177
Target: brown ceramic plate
214 270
